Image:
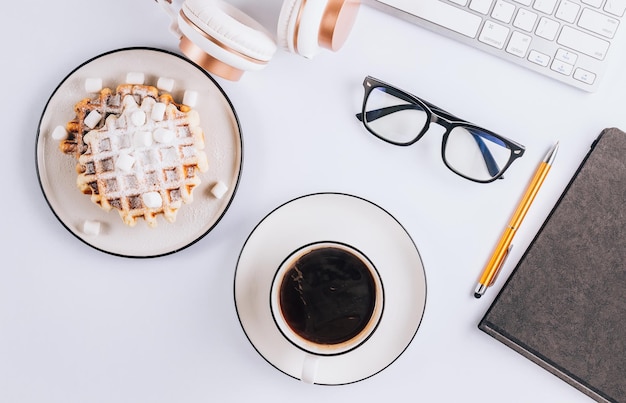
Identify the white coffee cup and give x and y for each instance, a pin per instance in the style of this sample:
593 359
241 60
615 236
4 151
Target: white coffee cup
327 299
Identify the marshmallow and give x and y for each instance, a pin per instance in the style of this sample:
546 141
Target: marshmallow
165 84
219 190
59 133
110 121
158 112
138 118
93 84
92 119
135 78
147 104
164 136
91 227
125 162
142 139
190 98
129 101
152 199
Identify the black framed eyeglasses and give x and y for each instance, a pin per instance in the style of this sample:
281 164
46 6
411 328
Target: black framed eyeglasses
400 118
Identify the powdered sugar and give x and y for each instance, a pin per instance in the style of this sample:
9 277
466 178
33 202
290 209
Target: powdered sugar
143 159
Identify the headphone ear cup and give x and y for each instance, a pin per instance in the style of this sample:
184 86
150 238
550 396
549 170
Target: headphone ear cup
299 24
286 26
222 39
305 26
337 22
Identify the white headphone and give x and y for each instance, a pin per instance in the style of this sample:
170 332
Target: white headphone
225 41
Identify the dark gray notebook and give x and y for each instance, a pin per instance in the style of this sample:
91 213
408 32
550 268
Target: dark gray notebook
564 305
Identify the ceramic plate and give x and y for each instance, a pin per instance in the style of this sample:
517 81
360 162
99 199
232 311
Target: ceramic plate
340 218
57 173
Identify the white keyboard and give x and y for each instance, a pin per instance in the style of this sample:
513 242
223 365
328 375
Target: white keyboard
568 40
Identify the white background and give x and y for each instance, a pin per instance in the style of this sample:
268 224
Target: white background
78 325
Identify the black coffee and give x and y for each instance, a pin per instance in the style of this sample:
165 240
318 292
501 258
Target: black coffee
328 296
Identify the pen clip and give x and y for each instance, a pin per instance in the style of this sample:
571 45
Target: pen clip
495 276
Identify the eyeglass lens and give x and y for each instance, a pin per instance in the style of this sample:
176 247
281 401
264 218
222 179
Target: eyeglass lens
469 151
392 118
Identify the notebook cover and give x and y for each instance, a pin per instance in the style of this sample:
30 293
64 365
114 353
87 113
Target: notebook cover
564 305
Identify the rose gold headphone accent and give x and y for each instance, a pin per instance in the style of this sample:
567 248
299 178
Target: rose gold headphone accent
218 43
337 22
297 26
208 62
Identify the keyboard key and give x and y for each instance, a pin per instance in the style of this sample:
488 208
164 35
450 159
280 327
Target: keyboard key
598 23
566 56
593 3
494 34
518 44
562 67
615 7
481 6
539 58
525 20
547 28
583 42
462 3
567 11
524 2
545 6
585 76
503 11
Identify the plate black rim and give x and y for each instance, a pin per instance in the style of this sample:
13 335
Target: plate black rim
226 98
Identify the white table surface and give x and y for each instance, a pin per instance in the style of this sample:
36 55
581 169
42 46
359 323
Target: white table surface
79 325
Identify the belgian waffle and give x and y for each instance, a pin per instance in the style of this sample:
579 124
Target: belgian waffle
138 152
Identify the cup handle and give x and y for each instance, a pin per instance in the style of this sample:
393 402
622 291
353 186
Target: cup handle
309 368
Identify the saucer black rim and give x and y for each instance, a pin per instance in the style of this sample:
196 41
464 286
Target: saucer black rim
408 235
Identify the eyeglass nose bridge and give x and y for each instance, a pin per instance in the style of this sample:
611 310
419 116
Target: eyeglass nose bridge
441 121
440 116
434 117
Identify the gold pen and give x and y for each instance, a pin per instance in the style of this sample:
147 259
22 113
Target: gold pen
491 270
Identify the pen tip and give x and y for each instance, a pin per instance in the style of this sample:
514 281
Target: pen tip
477 295
549 159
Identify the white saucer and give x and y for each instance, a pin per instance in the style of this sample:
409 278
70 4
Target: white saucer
342 218
57 174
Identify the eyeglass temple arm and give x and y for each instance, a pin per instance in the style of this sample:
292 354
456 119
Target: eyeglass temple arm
490 162
492 165
382 112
